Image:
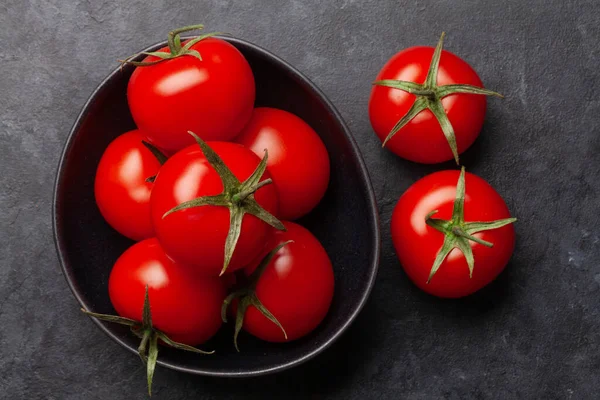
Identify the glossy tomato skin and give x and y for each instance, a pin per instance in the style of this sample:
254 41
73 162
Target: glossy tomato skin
120 187
213 98
184 306
296 287
196 236
422 139
298 160
417 244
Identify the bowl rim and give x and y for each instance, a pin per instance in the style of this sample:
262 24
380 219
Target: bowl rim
372 206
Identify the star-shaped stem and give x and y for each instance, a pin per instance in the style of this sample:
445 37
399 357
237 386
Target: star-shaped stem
148 348
247 297
458 233
175 47
429 96
237 196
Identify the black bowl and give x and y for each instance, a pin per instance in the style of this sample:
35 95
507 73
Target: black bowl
346 221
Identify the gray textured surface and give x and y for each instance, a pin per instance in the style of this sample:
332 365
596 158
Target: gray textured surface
535 333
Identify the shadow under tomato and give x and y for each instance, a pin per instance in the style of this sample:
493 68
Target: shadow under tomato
413 169
474 155
478 154
477 305
326 373
470 158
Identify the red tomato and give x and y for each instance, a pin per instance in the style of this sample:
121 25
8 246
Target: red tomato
196 236
422 139
298 160
213 98
417 243
296 287
184 307
121 190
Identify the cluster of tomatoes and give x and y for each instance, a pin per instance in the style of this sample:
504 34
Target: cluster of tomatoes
206 180
428 106
206 186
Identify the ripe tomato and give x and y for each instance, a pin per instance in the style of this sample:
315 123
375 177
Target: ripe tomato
433 105
213 97
485 217
196 236
184 307
298 160
121 190
296 287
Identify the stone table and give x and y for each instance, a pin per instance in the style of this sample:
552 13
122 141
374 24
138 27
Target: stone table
534 333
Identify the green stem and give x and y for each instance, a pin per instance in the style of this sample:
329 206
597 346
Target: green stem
174 38
258 272
171 42
238 198
246 296
142 348
148 348
459 232
175 48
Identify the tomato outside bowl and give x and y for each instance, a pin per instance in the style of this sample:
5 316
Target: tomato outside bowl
346 221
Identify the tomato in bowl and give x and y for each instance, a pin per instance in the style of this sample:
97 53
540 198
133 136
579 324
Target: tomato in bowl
345 221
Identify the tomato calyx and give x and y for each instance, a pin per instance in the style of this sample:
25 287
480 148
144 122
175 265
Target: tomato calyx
175 47
237 196
429 96
148 348
160 157
246 296
458 233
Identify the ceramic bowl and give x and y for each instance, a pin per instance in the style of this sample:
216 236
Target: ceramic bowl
346 221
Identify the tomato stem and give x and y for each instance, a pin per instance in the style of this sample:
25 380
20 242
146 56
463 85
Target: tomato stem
175 47
241 196
458 233
174 38
246 297
143 344
148 348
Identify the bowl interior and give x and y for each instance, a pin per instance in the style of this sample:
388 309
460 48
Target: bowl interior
345 221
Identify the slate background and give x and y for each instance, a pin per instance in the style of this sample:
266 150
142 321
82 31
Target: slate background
533 334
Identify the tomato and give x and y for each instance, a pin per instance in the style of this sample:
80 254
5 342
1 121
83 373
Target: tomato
196 236
212 97
184 307
459 109
452 234
298 160
296 287
121 190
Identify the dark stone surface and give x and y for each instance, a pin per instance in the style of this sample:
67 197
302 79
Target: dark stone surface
535 333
